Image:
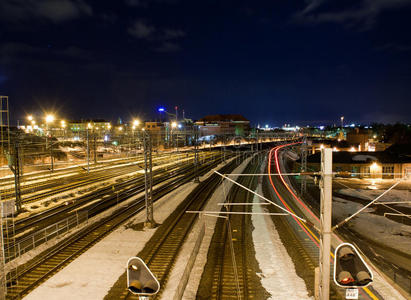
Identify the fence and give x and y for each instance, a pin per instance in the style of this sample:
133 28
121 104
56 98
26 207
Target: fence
46 234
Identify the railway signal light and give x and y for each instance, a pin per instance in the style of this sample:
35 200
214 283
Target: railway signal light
140 280
350 270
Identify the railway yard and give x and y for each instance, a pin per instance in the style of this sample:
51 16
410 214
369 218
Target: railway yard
212 239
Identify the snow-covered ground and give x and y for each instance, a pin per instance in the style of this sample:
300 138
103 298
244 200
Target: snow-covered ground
277 267
92 274
375 227
73 194
392 196
278 275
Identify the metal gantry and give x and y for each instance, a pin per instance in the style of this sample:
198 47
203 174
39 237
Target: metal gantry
148 180
304 165
196 162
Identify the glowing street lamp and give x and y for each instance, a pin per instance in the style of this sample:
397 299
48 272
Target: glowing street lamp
63 124
173 124
49 118
30 118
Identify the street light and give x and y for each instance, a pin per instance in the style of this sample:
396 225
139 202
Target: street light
49 119
30 118
136 123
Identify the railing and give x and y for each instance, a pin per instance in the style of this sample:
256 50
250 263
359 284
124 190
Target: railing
46 234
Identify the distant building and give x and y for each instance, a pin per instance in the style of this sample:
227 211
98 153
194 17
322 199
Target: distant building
218 125
371 164
157 132
82 125
360 138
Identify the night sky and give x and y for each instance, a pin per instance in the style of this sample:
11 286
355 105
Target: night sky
300 62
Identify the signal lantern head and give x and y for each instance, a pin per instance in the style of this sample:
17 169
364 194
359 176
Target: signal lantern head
350 270
140 280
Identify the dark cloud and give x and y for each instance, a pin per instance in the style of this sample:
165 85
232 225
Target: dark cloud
136 2
11 52
141 30
168 47
51 10
170 34
363 14
166 39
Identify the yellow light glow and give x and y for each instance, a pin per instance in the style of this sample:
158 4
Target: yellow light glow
49 118
136 122
120 128
174 124
89 125
33 122
321 146
30 117
109 126
374 167
352 149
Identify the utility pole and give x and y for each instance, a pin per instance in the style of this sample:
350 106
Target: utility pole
148 180
51 155
196 178
325 223
14 165
94 147
304 165
88 152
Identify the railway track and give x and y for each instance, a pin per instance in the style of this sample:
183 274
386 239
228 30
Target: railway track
33 273
162 249
108 197
60 185
304 237
221 279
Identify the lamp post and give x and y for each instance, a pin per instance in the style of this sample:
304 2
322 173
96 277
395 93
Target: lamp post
88 147
342 122
136 123
49 119
173 127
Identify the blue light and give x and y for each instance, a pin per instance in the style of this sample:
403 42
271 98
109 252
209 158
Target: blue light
161 109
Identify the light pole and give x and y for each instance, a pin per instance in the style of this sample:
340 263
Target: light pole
173 127
88 147
136 123
342 122
49 119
